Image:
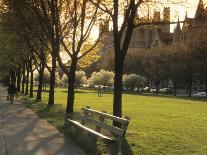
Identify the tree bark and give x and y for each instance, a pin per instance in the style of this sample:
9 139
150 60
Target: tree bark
19 79
27 80
52 82
157 87
206 83
31 79
40 83
190 80
71 87
118 83
23 79
175 88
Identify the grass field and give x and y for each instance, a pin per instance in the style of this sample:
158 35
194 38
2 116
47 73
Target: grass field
158 125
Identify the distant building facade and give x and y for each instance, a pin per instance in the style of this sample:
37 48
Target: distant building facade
149 36
190 27
156 36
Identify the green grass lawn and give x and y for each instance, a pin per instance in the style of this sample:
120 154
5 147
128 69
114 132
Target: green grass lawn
158 125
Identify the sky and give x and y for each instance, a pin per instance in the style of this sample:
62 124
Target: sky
190 7
177 11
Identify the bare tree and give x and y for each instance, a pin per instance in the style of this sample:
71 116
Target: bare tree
76 26
122 33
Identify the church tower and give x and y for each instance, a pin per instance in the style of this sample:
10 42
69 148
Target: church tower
200 12
166 14
156 15
166 19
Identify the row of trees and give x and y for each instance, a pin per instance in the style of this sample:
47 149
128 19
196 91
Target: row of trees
45 34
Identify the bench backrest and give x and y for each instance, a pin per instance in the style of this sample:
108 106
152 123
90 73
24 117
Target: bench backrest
101 121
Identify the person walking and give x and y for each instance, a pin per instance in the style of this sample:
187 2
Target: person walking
11 92
99 91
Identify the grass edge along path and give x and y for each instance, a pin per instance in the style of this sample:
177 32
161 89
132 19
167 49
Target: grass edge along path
159 124
57 117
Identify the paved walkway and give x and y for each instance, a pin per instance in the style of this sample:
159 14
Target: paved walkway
22 132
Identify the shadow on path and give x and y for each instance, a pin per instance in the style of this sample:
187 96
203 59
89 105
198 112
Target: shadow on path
27 134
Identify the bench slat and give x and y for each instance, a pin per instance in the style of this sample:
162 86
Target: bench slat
91 131
112 129
114 118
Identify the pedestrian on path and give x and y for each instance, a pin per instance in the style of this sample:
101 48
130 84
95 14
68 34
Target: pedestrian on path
11 92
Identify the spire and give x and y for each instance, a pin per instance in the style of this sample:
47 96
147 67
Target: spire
186 15
178 27
200 12
177 32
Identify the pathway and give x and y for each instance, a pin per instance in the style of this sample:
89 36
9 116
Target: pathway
22 132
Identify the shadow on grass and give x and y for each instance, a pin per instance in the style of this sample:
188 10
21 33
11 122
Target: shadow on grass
79 91
56 115
126 149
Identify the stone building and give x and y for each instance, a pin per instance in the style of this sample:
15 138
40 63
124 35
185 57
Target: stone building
149 36
153 36
191 27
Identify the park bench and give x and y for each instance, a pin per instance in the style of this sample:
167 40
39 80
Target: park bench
100 125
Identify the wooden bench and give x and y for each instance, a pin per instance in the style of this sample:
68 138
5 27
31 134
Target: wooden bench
103 126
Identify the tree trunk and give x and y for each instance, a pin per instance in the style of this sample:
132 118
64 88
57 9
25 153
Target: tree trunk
206 83
19 79
52 82
174 88
27 80
31 79
40 83
23 79
117 100
190 84
157 87
71 87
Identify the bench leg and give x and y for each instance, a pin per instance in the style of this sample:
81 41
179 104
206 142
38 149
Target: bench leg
113 148
119 147
92 141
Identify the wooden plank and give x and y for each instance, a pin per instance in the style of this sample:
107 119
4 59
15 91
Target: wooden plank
107 116
101 119
91 131
110 128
